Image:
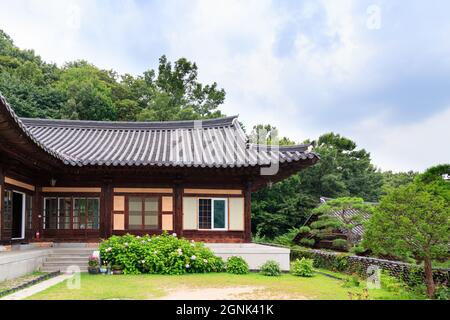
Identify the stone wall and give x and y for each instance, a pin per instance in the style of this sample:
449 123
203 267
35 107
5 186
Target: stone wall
356 264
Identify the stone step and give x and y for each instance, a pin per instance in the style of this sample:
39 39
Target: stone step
64 263
76 245
67 259
63 256
74 250
63 269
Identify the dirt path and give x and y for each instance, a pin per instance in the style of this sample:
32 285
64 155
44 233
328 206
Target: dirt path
227 293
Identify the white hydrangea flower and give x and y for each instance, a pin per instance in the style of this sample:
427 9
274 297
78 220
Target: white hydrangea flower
205 260
143 261
193 257
187 266
156 252
126 244
174 234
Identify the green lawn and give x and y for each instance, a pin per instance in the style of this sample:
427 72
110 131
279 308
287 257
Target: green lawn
207 285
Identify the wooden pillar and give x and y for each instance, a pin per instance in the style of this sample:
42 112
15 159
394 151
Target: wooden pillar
38 214
106 209
178 213
248 212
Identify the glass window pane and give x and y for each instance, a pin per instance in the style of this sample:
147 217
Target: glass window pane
204 213
93 213
79 214
29 211
7 210
219 214
135 213
51 213
151 213
64 213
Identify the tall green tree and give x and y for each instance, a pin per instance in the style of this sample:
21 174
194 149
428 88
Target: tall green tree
393 180
176 93
413 221
87 91
343 171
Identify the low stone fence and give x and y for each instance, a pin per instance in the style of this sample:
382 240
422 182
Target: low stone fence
355 264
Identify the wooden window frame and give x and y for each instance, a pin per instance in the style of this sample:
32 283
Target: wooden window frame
212 214
142 197
72 207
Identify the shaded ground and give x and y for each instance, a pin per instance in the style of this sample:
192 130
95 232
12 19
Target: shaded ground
207 286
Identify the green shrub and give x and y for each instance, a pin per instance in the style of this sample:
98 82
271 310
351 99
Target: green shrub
163 254
442 293
271 268
303 267
307 242
340 244
237 265
304 229
357 250
352 281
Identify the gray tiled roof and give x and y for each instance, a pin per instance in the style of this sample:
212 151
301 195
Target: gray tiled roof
209 143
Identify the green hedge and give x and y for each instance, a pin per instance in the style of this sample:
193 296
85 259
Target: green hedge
163 254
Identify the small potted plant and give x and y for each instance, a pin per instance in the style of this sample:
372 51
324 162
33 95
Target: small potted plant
104 267
117 269
93 265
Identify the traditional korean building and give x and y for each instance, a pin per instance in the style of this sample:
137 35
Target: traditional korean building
65 181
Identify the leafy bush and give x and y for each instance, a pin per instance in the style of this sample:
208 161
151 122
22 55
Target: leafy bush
271 268
340 244
307 242
358 249
237 265
352 281
442 293
303 267
163 254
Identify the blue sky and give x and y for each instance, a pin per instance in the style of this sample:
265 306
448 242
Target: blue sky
375 71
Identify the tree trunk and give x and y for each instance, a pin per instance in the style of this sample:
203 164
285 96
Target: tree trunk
429 277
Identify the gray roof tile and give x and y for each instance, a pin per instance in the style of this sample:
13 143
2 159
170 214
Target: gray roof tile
208 143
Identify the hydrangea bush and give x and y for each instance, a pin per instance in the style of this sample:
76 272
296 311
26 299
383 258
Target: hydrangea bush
162 254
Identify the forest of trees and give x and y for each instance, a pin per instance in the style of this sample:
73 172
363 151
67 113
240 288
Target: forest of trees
80 90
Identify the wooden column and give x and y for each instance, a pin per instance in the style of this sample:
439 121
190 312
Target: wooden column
178 212
248 212
38 213
106 209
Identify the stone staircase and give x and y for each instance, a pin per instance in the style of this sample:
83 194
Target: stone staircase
62 258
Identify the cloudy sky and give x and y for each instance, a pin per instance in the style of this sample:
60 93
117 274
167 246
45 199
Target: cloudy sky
375 71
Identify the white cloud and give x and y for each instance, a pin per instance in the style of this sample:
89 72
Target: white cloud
333 60
414 146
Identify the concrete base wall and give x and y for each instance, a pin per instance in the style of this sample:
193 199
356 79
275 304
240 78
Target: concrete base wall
15 264
254 254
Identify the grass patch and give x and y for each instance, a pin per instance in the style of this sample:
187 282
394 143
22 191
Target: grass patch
140 287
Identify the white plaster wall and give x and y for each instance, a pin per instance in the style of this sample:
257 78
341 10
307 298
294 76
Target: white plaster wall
16 263
254 254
